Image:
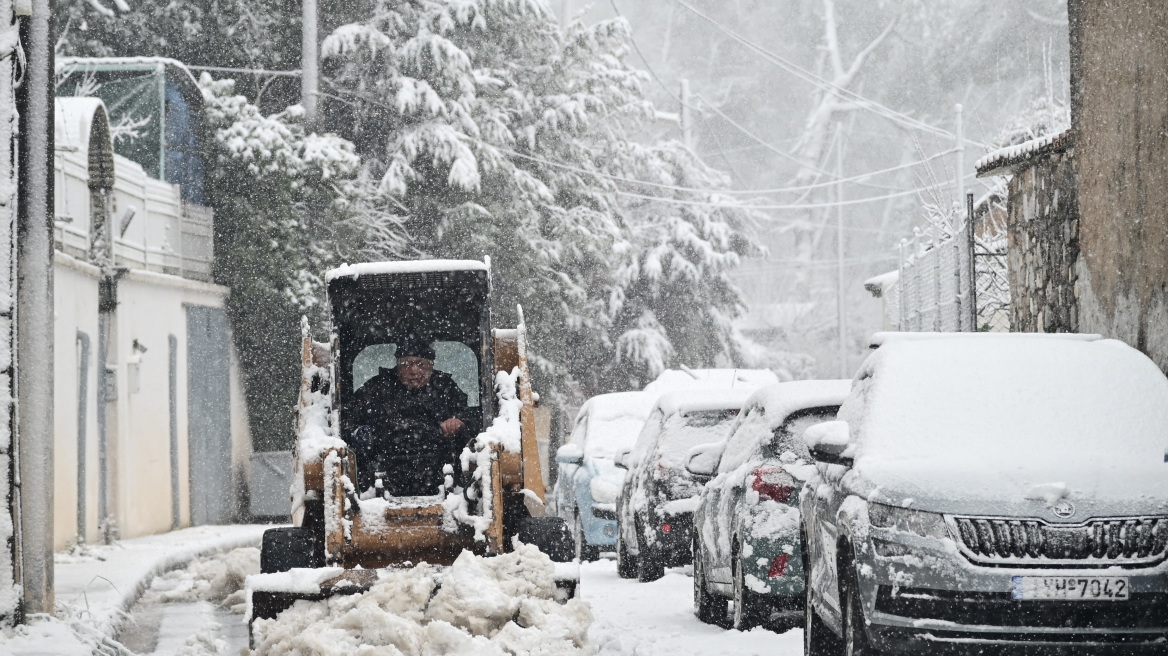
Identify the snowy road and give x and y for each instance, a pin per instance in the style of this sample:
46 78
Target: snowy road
651 619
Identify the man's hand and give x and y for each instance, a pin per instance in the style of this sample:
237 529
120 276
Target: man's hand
451 426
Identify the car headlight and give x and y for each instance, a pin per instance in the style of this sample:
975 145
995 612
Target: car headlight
917 522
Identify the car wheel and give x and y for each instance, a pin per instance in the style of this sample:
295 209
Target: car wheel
818 639
626 565
709 608
584 551
855 637
649 567
748 608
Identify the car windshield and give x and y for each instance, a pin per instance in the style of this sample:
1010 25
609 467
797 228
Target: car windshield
789 436
684 431
609 435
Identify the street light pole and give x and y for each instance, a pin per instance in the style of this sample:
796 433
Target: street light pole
309 69
34 312
841 308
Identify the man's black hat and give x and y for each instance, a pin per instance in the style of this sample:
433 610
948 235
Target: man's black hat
415 348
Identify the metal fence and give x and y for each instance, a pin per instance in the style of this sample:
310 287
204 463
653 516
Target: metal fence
955 279
936 292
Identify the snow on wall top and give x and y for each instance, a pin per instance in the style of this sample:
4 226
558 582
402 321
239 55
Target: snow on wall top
1003 160
404 266
991 414
690 379
879 285
782 399
697 400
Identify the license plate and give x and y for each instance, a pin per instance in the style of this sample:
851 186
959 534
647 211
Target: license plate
1071 588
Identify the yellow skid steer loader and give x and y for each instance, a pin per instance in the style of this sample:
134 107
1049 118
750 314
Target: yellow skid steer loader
370 488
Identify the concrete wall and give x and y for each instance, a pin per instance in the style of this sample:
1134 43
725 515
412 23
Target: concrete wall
1043 250
152 307
1119 84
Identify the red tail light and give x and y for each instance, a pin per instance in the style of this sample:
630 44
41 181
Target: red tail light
772 484
779 567
666 528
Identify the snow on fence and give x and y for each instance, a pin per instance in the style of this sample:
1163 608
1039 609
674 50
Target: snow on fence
936 293
955 279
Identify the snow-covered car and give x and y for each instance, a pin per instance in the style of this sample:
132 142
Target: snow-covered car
676 380
655 507
588 482
991 491
746 526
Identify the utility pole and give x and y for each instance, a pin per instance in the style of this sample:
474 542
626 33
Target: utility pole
841 310
33 359
309 70
686 116
960 162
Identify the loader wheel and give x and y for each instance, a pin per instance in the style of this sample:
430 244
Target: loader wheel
550 535
287 547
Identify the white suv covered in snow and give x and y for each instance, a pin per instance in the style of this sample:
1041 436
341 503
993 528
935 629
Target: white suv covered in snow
989 491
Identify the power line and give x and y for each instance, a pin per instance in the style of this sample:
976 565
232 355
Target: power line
825 85
677 201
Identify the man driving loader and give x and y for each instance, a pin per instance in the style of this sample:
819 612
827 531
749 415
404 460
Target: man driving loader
411 421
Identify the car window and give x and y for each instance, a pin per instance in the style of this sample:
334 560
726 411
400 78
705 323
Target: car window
648 436
580 432
683 431
745 441
454 358
789 436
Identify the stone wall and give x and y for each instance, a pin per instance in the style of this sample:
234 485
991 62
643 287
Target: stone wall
1043 252
1119 112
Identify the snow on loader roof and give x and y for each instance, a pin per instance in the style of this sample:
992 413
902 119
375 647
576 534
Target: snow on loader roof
404 266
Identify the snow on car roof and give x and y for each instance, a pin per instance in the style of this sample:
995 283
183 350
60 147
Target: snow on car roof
782 399
606 407
882 338
614 421
684 401
404 266
688 379
1039 408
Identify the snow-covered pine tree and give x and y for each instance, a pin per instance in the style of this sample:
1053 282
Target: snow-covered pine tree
281 219
486 130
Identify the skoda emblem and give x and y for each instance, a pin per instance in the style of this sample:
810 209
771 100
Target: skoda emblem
1063 510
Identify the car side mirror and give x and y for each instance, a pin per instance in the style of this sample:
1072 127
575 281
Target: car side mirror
569 454
621 459
702 461
828 443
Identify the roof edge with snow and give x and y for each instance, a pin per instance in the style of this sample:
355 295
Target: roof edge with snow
1005 160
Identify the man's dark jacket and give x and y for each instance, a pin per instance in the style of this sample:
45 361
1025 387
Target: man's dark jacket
383 401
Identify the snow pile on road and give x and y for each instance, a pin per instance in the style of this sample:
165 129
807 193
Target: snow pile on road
217 578
477 607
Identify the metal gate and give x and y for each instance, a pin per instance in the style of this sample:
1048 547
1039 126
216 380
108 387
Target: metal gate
209 416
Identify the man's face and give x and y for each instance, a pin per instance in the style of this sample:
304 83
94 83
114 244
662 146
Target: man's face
414 372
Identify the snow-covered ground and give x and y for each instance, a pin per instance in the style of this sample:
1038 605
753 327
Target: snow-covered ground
480 606
656 619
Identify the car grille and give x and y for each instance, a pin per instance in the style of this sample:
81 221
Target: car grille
1128 541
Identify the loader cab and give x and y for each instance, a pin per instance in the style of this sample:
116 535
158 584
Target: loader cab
377 307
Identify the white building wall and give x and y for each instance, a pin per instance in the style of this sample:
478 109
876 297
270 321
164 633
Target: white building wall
166 248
